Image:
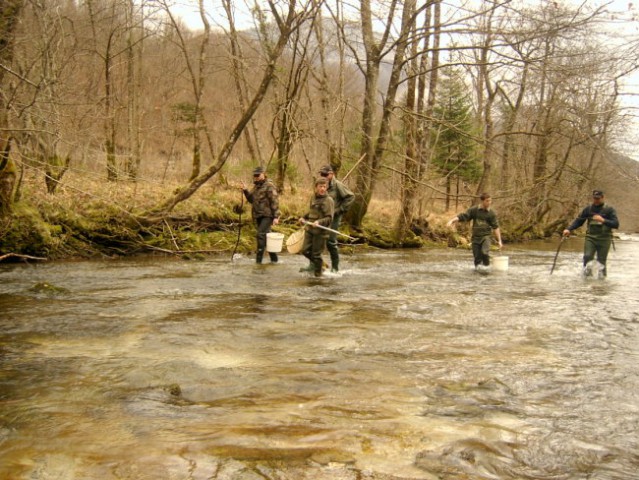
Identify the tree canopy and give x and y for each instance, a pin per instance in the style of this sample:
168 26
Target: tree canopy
527 103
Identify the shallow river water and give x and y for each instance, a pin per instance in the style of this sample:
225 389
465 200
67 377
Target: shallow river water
407 365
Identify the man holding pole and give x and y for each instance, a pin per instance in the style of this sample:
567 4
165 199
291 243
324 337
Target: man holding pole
601 219
342 198
320 214
265 209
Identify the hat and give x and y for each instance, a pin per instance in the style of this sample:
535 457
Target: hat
326 169
258 171
597 193
321 181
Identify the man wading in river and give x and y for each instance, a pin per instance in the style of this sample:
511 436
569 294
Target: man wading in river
265 210
601 219
342 200
320 213
484 223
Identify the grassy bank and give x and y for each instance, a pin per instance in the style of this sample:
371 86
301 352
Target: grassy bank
86 219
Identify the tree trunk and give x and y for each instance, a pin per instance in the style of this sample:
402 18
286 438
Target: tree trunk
411 162
9 14
109 117
485 86
56 167
373 146
288 107
251 135
133 75
335 145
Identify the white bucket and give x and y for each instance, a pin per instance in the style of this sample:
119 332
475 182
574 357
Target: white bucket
274 242
295 241
500 264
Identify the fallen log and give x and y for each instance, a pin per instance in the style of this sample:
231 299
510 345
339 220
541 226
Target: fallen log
25 257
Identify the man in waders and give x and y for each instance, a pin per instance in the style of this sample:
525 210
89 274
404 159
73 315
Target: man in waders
320 213
342 199
484 223
600 219
265 210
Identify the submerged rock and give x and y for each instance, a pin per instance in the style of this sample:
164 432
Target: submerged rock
44 287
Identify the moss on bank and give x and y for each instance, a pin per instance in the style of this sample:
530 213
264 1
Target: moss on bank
98 229
76 224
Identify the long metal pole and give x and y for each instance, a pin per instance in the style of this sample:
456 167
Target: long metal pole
330 230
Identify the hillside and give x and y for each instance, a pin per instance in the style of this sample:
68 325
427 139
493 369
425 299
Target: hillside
620 182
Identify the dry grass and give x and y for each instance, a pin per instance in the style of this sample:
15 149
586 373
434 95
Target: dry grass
79 192
89 213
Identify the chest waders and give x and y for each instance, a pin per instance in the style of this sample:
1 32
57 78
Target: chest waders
597 243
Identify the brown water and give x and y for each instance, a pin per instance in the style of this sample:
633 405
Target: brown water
409 365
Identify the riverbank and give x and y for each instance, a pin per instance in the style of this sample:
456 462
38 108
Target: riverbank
92 219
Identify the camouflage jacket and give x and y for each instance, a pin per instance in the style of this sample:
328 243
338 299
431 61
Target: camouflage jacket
341 195
264 199
321 211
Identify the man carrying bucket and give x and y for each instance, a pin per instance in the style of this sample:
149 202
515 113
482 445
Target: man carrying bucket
320 213
484 223
265 210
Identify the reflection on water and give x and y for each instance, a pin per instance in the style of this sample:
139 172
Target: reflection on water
406 365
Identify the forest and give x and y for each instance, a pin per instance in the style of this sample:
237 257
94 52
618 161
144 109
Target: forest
124 126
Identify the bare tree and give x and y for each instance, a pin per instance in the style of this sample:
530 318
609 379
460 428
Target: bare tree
238 68
45 63
285 127
374 140
422 71
134 55
9 14
332 111
196 68
287 22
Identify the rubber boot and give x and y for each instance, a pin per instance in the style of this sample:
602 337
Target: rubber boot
309 268
587 271
273 257
258 256
601 274
334 262
319 266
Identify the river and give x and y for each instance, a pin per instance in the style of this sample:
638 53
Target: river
406 365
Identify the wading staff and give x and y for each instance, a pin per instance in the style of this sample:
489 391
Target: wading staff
330 230
239 229
554 262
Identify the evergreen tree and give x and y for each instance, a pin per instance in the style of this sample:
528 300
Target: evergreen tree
454 133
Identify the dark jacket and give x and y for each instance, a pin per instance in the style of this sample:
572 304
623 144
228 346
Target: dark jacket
484 221
264 199
595 228
321 211
341 195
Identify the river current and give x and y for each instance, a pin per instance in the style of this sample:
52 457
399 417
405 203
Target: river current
406 365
